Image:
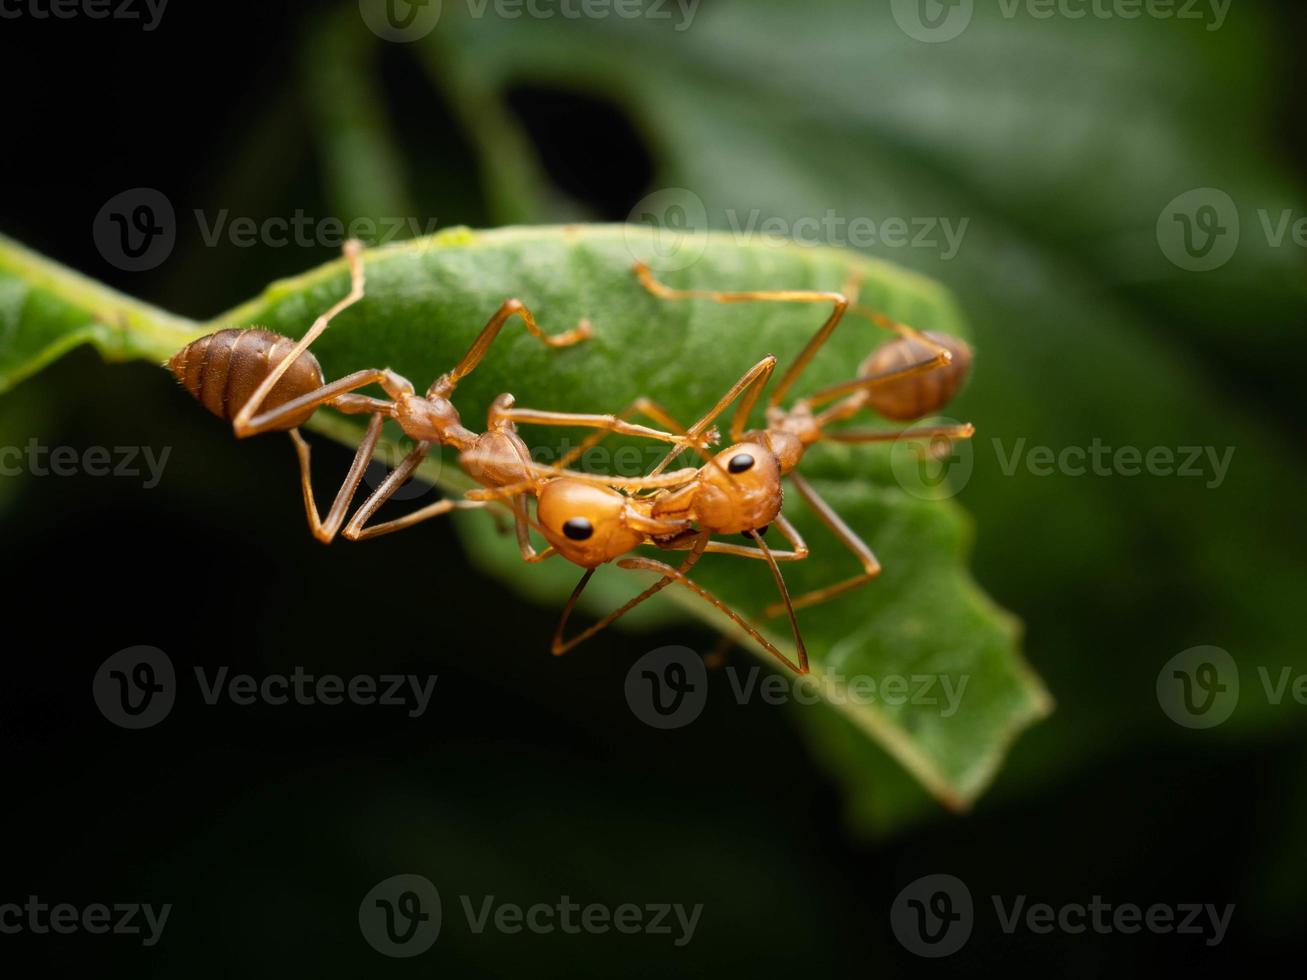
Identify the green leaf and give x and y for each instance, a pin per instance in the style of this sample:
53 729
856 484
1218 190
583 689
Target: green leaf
1060 141
427 299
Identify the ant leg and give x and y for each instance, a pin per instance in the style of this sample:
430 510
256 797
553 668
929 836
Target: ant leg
864 554
336 394
607 424
351 404
326 530
523 525
783 525
651 409
408 520
393 481
676 478
358 529
750 384
353 251
559 646
512 307
840 303
329 394
858 388
932 432
670 573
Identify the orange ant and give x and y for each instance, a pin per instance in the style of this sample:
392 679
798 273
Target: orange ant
587 521
739 490
910 377
582 517
256 368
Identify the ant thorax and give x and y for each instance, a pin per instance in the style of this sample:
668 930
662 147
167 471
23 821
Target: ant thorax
498 458
432 419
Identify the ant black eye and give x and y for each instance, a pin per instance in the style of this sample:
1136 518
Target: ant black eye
578 529
740 462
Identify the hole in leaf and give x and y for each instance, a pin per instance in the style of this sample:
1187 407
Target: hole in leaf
588 145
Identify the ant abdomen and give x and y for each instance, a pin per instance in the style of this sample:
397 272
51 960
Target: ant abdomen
222 370
921 394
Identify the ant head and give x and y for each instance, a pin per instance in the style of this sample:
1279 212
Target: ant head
740 490
584 522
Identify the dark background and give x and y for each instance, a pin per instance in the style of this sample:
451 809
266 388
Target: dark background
529 778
